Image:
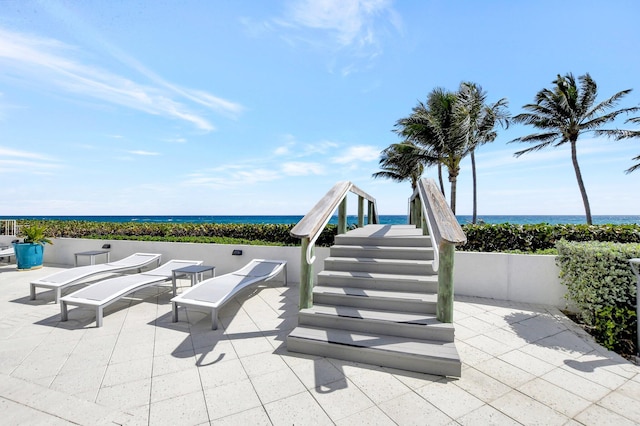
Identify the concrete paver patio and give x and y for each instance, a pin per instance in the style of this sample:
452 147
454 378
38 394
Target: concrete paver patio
522 364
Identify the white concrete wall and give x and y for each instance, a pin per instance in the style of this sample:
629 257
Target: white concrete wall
61 253
519 278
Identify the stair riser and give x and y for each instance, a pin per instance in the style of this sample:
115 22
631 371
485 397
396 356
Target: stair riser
375 303
389 242
357 251
408 268
410 331
422 364
326 279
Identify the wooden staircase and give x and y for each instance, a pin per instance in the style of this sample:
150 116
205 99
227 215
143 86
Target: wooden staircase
375 302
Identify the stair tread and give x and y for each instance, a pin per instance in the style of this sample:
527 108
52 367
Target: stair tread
381 247
375 314
363 292
381 276
399 345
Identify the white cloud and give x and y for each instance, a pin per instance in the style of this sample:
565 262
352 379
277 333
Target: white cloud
50 64
143 153
359 153
302 169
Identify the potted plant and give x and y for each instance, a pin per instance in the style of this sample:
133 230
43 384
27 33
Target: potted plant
29 252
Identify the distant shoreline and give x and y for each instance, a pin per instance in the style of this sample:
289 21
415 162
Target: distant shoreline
292 219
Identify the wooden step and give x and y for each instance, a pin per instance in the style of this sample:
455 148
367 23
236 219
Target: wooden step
387 266
379 281
387 252
376 299
393 323
423 356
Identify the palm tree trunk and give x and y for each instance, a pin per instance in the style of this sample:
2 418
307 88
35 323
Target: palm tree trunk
583 191
440 179
453 180
475 189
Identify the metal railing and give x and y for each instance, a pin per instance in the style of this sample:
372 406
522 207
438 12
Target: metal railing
311 226
428 209
8 227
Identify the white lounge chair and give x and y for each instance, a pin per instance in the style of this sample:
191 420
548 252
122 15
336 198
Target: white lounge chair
8 253
103 293
215 292
73 276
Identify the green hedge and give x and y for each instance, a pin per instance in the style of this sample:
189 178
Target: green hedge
251 233
534 238
602 285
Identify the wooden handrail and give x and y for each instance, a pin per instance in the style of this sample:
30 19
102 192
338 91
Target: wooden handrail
436 218
311 226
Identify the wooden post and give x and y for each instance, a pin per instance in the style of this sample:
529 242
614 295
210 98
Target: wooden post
306 276
444 310
425 226
342 217
360 211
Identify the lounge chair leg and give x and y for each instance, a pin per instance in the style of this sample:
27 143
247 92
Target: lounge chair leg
99 316
32 292
174 308
58 294
214 319
64 314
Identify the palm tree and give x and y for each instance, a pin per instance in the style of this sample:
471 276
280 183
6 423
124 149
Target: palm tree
566 112
478 121
400 162
414 128
624 134
435 128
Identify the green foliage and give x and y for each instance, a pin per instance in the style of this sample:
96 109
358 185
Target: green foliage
615 329
257 234
35 234
598 275
508 237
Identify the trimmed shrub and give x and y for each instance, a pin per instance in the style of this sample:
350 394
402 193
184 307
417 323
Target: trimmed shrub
508 237
602 285
278 234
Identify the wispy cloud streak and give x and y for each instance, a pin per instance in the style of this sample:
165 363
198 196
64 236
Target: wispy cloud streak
52 64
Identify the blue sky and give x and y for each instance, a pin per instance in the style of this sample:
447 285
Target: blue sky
251 107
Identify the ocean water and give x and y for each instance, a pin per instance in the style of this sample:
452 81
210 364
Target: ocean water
384 219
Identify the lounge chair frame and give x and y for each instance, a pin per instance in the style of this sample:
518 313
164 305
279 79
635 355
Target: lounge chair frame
74 276
228 285
111 290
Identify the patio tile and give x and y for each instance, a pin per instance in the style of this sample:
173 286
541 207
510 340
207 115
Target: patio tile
620 403
471 355
262 363
504 372
596 415
165 364
481 385
594 368
78 381
486 415
630 389
246 346
450 399
412 379
123 372
221 373
527 410
38 367
379 385
486 344
277 385
411 409
174 384
126 353
126 395
372 416
189 409
231 398
527 362
555 397
317 372
580 386
300 409
254 417
343 403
